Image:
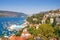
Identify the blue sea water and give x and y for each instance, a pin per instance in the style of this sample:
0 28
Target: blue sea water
6 22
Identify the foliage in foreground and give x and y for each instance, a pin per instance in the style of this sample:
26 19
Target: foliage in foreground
45 31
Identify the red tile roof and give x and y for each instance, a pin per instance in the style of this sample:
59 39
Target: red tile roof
20 38
17 38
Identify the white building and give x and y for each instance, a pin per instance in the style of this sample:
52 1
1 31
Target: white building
51 20
34 19
43 20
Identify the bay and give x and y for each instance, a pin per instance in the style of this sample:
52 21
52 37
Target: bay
6 22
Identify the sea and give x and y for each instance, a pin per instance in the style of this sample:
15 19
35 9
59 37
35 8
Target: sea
5 22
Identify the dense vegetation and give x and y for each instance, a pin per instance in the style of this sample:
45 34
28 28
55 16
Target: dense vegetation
38 16
44 31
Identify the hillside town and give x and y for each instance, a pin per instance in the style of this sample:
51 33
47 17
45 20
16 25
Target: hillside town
41 26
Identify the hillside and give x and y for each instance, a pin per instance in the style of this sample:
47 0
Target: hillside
39 16
11 14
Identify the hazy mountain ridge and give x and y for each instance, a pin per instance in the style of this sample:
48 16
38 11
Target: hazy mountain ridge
11 14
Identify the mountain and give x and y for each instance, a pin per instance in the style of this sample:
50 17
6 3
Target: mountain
11 14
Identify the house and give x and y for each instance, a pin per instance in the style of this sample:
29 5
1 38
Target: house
51 20
25 34
43 20
46 15
58 20
34 19
36 25
14 37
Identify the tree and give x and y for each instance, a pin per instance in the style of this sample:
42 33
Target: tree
44 30
57 31
54 23
47 21
47 30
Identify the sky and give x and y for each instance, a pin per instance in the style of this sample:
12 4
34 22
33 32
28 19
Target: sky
29 6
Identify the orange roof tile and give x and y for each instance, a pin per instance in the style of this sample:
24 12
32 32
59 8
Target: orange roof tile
17 38
20 38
